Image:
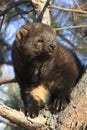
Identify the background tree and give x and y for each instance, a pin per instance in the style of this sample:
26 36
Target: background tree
69 19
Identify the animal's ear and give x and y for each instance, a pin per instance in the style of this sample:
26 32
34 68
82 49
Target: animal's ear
21 35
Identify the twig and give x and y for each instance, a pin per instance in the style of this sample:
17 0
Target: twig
7 80
5 62
1 23
5 43
77 4
83 6
76 48
68 41
71 27
68 10
14 4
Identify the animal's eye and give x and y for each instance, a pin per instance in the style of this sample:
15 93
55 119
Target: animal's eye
40 40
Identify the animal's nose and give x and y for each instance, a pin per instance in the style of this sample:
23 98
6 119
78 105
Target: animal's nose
52 46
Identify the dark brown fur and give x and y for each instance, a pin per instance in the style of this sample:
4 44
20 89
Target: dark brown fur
45 70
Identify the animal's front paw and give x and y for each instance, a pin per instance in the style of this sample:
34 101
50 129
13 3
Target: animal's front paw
60 103
32 109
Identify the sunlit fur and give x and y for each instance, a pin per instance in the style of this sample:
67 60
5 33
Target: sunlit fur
41 93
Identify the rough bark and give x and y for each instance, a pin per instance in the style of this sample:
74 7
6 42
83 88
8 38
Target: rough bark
39 4
74 117
19 118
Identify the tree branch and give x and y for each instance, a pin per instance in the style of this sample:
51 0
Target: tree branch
83 6
5 44
7 80
5 62
68 41
20 118
42 12
71 27
75 1
71 43
67 10
40 17
14 4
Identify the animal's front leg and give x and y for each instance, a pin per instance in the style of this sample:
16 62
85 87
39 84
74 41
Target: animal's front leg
61 100
34 100
31 105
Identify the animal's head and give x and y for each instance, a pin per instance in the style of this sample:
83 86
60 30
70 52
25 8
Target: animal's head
36 40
